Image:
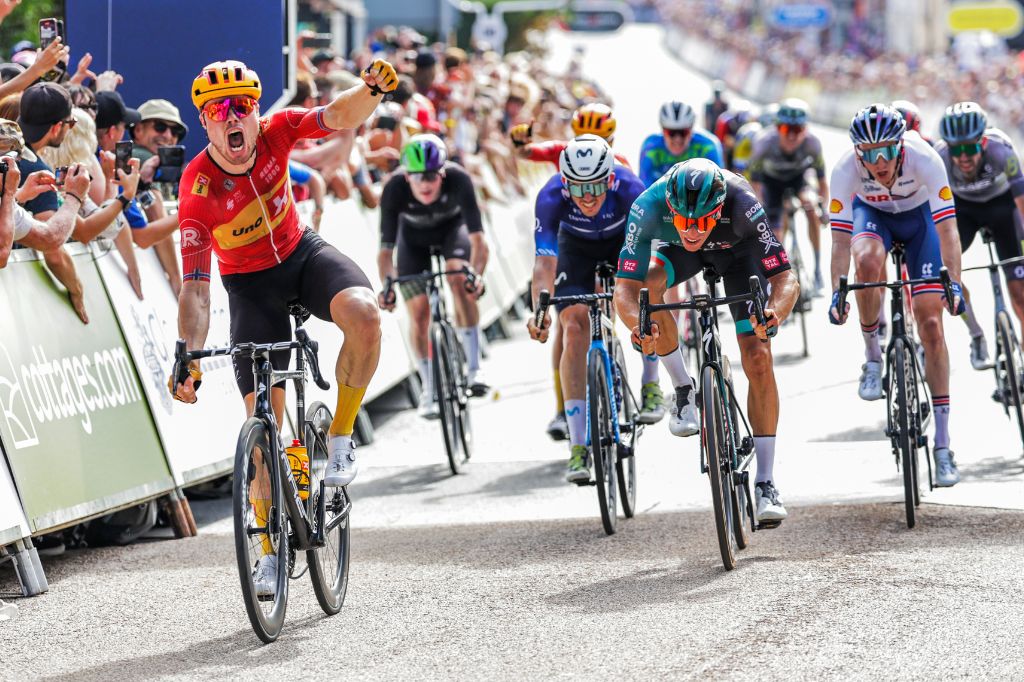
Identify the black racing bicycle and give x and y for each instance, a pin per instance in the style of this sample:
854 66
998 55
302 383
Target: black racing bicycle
802 309
1009 360
272 514
727 441
450 379
612 409
907 396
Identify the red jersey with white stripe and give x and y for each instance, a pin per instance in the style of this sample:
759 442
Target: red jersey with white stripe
547 152
921 177
248 220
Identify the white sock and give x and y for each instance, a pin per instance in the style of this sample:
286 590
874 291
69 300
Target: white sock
471 342
676 366
972 322
576 416
764 446
650 373
426 375
872 345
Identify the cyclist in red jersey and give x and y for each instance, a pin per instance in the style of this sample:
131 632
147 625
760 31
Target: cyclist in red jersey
236 202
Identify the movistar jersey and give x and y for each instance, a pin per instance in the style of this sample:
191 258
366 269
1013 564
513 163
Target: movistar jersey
655 158
555 211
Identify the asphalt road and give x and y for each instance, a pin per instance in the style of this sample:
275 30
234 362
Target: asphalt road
505 572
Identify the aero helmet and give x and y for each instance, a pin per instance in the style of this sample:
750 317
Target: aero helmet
594 119
877 123
588 158
225 79
695 188
676 116
424 153
963 122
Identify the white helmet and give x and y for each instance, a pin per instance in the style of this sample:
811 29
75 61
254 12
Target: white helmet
676 116
588 158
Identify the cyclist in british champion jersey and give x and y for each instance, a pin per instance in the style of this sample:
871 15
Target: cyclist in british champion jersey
581 217
236 202
984 172
893 187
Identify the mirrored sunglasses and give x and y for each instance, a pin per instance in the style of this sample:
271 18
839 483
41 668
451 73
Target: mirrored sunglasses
791 129
219 110
969 149
581 189
888 153
684 133
426 176
702 224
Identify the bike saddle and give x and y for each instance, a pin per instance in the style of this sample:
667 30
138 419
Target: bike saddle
296 309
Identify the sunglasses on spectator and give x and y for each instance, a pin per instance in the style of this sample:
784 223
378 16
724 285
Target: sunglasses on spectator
703 224
89 107
684 133
162 127
790 129
581 189
969 149
70 123
426 176
872 155
218 110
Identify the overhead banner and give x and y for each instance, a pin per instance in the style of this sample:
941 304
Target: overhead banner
199 439
76 428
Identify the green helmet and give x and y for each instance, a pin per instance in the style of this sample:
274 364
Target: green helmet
424 153
695 188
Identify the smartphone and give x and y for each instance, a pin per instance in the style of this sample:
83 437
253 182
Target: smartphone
172 158
49 30
60 173
122 154
146 199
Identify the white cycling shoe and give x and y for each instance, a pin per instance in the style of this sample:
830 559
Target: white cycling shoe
428 408
769 507
341 466
684 421
264 576
870 381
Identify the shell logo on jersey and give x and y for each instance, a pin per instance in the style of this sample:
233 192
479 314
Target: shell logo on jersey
835 206
201 186
946 193
250 224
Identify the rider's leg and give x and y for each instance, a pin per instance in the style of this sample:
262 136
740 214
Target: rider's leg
1016 290
418 308
809 201
467 314
355 312
869 264
259 493
928 313
576 334
667 347
556 362
762 401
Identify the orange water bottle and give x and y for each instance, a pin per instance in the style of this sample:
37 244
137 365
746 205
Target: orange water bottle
299 460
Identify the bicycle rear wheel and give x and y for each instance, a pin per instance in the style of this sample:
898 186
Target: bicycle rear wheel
328 565
462 394
625 465
1009 364
715 439
742 519
900 383
602 438
257 478
445 389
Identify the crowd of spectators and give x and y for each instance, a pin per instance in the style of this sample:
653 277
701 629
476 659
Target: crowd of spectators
975 67
52 122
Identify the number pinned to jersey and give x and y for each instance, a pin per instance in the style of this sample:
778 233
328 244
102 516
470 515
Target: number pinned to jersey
201 187
946 193
835 206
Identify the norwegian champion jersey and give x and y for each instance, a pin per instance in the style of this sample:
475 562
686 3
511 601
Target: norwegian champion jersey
555 211
549 152
998 171
248 220
656 159
920 178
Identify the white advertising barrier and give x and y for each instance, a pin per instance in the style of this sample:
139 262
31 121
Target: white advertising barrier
13 524
199 440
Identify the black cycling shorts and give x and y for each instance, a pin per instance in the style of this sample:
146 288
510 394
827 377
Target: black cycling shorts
775 193
735 266
577 263
1000 215
414 246
258 301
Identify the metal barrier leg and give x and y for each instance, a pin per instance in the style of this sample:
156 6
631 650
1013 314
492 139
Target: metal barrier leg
29 569
178 511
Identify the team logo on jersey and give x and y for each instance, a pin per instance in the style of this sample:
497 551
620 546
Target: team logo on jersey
229 184
835 206
1012 166
201 187
626 265
946 193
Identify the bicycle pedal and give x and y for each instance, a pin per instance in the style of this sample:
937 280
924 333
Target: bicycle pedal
583 484
768 525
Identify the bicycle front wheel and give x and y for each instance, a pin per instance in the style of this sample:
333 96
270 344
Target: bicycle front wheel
461 380
445 388
328 565
742 519
901 376
717 451
625 466
260 527
1009 364
602 438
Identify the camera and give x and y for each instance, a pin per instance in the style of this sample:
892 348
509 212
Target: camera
6 160
145 199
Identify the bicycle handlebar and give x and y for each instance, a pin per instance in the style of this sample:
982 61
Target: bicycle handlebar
702 301
944 279
426 276
996 264
545 299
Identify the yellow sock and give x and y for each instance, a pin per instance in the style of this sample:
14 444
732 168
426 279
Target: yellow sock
559 400
262 508
350 399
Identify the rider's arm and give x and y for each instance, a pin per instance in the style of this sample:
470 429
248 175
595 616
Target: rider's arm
646 172
845 184
543 275
548 210
194 312
940 201
479 252
394 191
353 106
635 255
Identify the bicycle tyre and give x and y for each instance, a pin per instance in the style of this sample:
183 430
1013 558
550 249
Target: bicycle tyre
713 440
692 341
328 565
625 467
741 519
266 624
444 389
461 377
1010 381
602 439
907 449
